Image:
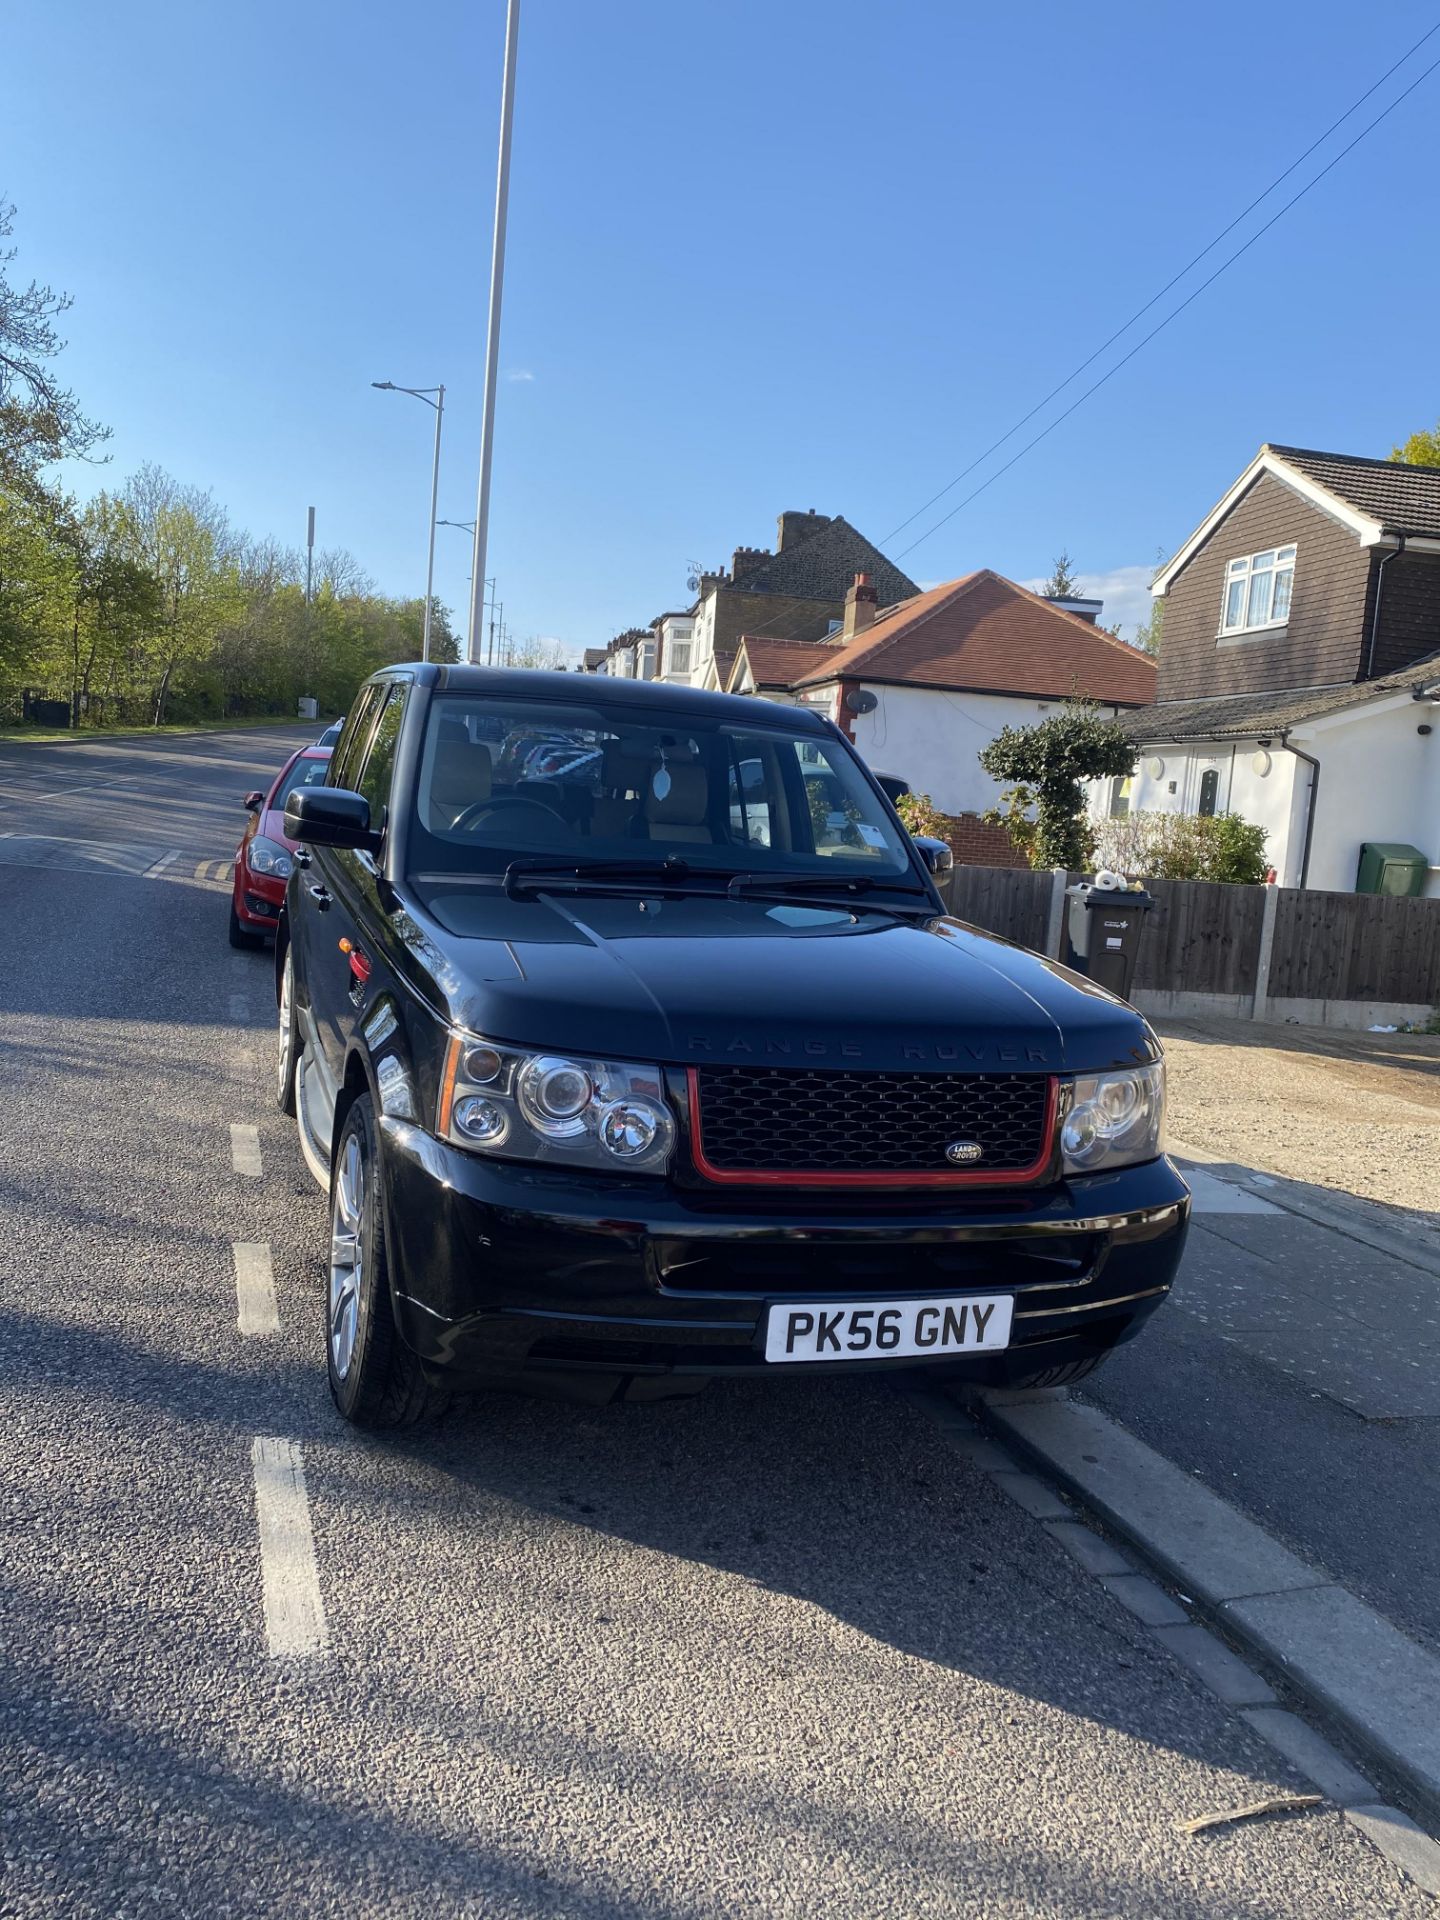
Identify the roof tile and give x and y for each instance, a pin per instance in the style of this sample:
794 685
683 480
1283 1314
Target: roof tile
985 633
1404 497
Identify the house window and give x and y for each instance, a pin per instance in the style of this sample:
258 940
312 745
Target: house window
1257 590
1209 789
679 660
1120 790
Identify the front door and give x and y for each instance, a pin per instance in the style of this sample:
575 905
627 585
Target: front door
344 931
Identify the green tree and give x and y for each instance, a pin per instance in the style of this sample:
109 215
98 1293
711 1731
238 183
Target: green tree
1147 632
1062 584
1422 449
1049 762
40 420
181 536
114 601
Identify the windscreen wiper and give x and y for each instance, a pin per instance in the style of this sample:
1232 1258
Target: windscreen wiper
840 886
529 876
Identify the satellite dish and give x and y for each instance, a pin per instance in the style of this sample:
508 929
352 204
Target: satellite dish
860 700
692 582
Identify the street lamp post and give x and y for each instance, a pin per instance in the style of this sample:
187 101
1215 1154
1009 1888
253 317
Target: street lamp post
492 340
438 403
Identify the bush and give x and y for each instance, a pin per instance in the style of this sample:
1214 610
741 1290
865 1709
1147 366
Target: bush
1182 846
1044 810
922 816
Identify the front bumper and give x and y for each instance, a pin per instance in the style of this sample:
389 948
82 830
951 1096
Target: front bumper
503 1269
258 897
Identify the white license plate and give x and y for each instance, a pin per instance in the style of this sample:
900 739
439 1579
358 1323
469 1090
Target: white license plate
881 1329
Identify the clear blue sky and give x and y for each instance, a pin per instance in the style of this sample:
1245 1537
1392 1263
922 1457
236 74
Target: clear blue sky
764 254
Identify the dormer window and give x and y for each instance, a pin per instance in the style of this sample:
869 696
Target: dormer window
1257 591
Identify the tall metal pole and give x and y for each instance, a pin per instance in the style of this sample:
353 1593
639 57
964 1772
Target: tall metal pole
492 346
434 503
310 558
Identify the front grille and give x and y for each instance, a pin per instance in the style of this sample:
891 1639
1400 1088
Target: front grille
777 1120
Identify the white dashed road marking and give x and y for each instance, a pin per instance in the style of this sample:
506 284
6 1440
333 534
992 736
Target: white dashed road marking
245 1150
255 1288
295 1626
153 873
240 1008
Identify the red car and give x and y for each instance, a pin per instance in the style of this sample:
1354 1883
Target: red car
264 857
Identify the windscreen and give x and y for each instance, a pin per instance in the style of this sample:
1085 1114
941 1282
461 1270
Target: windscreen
504 780
306 772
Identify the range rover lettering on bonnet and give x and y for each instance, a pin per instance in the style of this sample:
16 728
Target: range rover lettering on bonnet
946 1053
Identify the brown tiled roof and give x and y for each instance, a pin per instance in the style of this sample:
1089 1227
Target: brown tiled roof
986 634
724 663
1406 498
1240 716
593 657
823 566
779 663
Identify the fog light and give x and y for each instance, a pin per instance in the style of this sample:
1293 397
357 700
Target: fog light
478 1118
629 1127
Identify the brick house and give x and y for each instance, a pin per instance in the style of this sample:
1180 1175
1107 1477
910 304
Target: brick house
920 687
1300 664
795 593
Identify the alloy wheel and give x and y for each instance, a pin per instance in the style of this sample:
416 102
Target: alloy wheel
347 1255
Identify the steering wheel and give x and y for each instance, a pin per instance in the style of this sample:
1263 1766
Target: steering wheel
478 809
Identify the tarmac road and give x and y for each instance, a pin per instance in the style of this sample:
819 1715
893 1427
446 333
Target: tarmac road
759 1653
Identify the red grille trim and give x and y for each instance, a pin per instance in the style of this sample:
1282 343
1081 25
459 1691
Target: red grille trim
972 1177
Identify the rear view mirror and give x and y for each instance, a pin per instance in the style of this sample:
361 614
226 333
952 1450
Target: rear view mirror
329 817
254 801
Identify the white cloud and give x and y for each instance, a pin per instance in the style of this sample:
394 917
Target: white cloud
519 373
1125 591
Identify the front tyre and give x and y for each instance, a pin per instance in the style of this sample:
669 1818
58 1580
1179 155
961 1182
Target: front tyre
241 936
375 1379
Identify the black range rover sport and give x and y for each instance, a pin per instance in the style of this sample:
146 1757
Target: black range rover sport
628 1036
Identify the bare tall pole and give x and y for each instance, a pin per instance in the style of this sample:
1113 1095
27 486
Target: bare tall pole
434 503
492 343
310 558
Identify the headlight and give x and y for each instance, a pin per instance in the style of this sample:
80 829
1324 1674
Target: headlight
268 856
554 1107
1113 1119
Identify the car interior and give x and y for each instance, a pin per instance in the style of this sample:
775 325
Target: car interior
538 787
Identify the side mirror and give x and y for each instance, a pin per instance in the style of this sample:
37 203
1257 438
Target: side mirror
329 817
936 854
254 801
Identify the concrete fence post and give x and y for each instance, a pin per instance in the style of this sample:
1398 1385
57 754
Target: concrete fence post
1055 923
1259 1006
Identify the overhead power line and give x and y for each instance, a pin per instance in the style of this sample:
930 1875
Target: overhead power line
1160 327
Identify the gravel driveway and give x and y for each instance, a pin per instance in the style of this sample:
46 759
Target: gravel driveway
1358 1112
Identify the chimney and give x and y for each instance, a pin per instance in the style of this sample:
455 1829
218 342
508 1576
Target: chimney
860 607
1083 609
795 527
747 560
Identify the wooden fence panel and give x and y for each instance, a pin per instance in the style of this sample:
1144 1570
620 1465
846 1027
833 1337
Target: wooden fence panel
1014 903
1204 937
1355 946
1201 936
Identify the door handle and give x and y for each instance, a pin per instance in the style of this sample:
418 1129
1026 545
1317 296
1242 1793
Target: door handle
320 895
